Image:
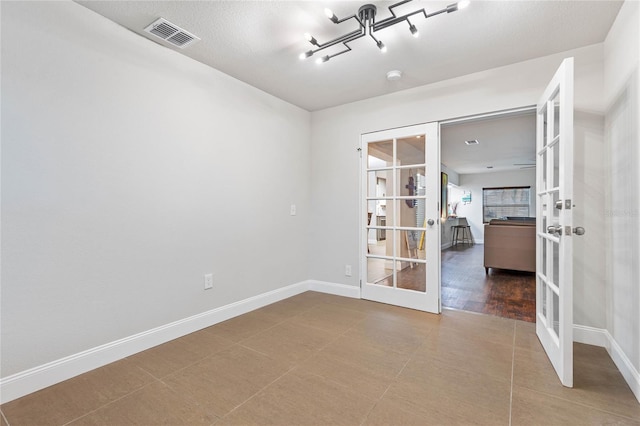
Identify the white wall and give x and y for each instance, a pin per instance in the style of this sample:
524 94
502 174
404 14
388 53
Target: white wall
129 171
475 182
589 252
622 213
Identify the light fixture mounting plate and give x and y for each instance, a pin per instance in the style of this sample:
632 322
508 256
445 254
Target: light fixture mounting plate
367 12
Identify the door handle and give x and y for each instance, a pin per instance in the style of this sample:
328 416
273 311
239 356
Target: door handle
554 229
431 222
579 230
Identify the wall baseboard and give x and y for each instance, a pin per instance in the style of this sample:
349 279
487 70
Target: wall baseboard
624 364
602 337
333 288
42 376
590 335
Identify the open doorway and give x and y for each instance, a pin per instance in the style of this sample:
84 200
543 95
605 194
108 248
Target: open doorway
488 236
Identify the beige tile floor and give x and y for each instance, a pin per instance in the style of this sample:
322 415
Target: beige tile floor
322 359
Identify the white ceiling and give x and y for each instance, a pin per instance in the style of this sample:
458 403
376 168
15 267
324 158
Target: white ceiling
258 42
505 142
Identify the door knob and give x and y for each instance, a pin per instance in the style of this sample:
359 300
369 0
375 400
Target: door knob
430 222
554 229
579 230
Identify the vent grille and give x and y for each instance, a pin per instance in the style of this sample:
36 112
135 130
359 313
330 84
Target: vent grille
172 33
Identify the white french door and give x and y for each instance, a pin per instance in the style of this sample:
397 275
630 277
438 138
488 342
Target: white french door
401 217
554 241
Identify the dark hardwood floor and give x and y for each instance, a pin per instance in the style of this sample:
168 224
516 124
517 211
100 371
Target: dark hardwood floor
504 293
466 286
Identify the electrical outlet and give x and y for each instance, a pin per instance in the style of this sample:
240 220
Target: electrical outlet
293 209
208 281
347 270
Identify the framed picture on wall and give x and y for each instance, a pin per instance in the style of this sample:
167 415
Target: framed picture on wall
444 197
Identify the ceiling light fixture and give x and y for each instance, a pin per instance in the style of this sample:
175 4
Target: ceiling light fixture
366 18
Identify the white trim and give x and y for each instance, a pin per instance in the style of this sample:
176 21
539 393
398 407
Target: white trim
624 364
333 288
602 337
28 381
501 113
590 335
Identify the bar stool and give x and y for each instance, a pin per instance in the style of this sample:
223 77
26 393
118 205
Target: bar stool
463 226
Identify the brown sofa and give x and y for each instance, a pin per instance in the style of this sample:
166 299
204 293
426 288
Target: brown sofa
510 244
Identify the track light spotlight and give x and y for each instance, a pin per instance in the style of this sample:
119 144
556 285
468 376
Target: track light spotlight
414 30
322 59
310 39
331 15
305 55
381 46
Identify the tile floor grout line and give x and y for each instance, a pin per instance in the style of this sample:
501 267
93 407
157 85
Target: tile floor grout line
259 391
550 395
113 402
5 418
296 365
339 335
260 331
189 365
393 381
513 362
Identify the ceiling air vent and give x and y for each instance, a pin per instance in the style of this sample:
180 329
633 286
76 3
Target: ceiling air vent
172 33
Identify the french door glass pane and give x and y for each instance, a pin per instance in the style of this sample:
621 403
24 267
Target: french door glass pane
543 242
411 150
556 165
412 277
379 183
556 313
380 154
543 298
545 125
544 171
556 116
555 196
556 263
379 270
410 181
410 213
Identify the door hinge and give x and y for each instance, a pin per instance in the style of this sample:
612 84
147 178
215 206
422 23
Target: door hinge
359 151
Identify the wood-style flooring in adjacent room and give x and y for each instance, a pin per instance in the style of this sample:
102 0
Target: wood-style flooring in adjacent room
318 359
466 286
